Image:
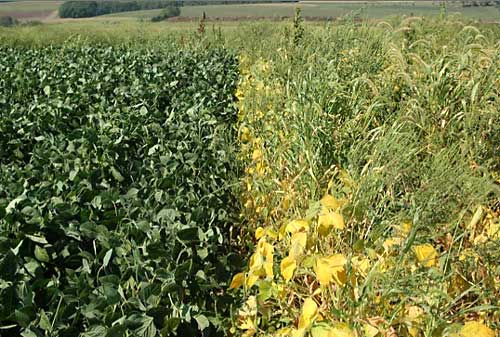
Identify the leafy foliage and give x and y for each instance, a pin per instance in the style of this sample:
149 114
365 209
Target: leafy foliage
168 12
371 181
7 21
116 168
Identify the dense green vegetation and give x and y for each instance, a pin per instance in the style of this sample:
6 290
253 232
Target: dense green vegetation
341 179
116 168
166 13
7 21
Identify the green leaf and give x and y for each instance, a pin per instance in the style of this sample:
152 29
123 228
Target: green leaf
107 257
147 329
170 325
117 330
44 322
28 333
188 234
202 321
95 331
320 331
37 239
132 193
12 205
22 318
116 174
41 254
265 290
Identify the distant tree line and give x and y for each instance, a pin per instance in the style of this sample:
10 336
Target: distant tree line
169 12
86 8
89 8
7 21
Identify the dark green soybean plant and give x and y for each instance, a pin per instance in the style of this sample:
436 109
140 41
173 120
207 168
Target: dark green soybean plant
117 170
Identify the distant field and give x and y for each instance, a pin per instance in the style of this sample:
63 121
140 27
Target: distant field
29 10
325 9
46 10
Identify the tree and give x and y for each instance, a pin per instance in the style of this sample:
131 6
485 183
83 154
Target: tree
7 21
169 12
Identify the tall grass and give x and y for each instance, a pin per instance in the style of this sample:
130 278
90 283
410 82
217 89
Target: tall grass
401 119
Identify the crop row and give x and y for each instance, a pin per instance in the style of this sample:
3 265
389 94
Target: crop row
115 190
